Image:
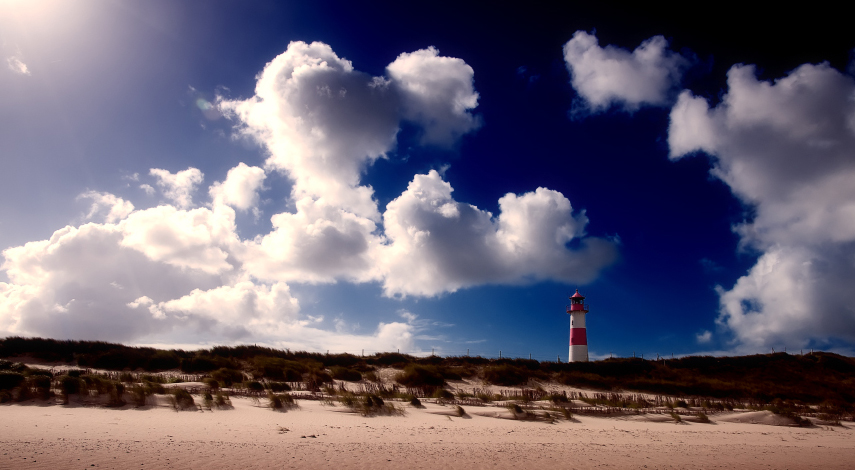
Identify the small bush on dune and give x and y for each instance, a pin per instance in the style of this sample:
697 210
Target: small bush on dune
371 376
371 404
676 417
37 386
509 375
415 402
182 400
227 377
211 383
459 411
415 375
117 392
278 387
10 380
222 401
703 418
139 395
442 394
67 386
343 373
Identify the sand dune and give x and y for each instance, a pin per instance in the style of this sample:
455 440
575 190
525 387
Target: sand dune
249 436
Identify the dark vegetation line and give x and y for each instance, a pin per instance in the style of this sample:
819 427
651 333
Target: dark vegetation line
815 378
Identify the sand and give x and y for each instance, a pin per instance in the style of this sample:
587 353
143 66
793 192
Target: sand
37 436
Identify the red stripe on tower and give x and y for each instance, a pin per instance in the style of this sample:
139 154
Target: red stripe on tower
578 336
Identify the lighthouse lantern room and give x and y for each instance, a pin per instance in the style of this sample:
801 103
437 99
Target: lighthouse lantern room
578 333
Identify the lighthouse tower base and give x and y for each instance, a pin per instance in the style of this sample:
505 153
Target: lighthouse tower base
578 353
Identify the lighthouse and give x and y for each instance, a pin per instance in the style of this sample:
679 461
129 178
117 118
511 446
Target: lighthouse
578 334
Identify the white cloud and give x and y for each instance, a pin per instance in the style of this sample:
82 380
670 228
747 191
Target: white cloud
322 122
178 187
240 189
704 337
786 149
149 190
438 93
440 245
606 76
16 65
106 205
318 243
196 239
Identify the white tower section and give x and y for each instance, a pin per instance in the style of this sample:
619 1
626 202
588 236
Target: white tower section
578 333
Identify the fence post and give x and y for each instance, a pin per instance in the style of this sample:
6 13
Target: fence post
500 354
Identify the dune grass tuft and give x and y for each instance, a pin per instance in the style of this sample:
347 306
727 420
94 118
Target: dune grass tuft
182 400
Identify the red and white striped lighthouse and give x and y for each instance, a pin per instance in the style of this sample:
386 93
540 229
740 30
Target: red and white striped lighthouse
578 332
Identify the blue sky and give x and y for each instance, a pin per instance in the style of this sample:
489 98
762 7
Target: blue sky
340 177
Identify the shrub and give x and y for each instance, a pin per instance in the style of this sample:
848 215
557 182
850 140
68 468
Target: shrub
281 402
10 380
369 405
371 376
117 392
316 377
676 417
254 386
222 401
182 400
40 384
343 373
126 377
226 377
415 375
67 386
459 411
415 402
442 394
703 418
211 383
278 387
139 393
508 375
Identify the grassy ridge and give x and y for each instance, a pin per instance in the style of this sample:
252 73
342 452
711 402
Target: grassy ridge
816 378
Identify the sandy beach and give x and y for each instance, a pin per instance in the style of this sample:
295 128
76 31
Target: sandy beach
37 436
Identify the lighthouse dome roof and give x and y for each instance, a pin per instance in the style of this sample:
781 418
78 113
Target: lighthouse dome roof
577 295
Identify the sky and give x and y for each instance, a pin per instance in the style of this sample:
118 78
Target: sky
435 178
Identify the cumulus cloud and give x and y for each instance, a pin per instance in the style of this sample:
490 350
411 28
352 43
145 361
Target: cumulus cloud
240 189
178 187
607 76
785 148
317 243
16 65
108 206
438 93
437 244
323 122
